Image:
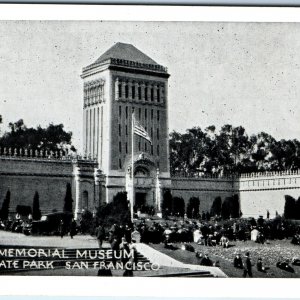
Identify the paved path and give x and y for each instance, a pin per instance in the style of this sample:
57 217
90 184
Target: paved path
8 238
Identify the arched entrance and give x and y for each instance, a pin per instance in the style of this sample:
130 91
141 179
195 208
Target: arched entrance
85 200
144 183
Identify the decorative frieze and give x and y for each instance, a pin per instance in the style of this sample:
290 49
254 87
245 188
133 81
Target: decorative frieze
93 92
139 91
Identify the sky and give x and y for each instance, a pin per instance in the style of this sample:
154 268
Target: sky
244 74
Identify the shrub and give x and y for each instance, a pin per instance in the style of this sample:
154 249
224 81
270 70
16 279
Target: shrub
5 207
115 212
68 203
297 209
36 212
87 222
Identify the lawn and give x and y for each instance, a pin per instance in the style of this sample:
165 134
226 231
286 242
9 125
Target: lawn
270 253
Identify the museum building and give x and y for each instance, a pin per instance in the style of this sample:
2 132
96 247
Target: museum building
124 83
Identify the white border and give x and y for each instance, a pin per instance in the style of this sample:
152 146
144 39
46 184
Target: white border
146 287
147 13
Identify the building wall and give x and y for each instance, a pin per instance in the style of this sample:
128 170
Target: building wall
23 177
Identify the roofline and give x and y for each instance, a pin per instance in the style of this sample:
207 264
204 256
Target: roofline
116 64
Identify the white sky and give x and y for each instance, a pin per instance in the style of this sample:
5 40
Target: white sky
238 73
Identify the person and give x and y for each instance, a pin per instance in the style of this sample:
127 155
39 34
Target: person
73 228
206 261
224 241
100 234
284 265
259 266
237 261
247 266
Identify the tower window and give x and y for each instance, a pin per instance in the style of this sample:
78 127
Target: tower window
126 148
119 129
157 133
157 149
140 92
120 90
158 95
126 91
151 149
139 145
120 111
133 92
120 147
126 129
146 146
152 94
146 113
146 93
126 112
140 112
151 133
120 163
151 114
158 115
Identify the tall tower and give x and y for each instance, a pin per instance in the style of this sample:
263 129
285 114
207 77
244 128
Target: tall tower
120 80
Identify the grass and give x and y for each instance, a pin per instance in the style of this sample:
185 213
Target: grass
270 252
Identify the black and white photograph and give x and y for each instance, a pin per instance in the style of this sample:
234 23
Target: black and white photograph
149 149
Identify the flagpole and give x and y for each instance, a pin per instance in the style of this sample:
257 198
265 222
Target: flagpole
132 163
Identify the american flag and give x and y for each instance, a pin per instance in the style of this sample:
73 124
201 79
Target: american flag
140 130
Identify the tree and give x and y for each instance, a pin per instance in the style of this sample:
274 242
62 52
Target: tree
5 207
216 207
68 203
193 206
289 207
115 212
167 203
51 138
36 212
178 206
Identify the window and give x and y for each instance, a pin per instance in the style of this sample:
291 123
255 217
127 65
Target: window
152 94
157 150
146 146
133 92
158 95
158 115
146 93
126 148
140 92
120 90
139 145
120 111
157 133
126 129
151 133
140 112
151 149
119 129
126 112
151 114
120 147
145 113
126 91
120 163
